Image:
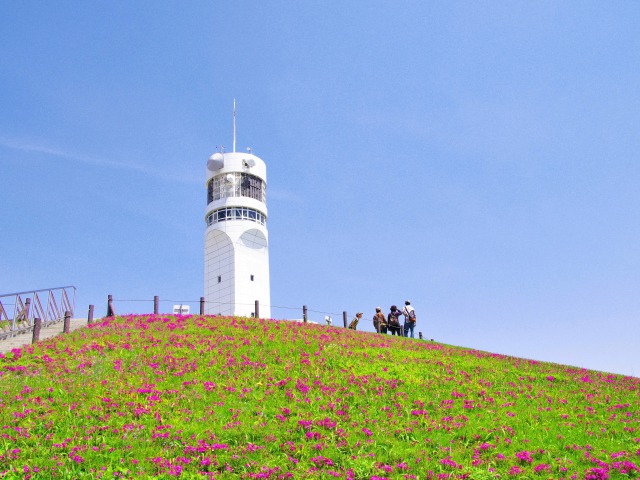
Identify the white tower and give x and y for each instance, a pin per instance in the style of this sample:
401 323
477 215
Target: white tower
236 245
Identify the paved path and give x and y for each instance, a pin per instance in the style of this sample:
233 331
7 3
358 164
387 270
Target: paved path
7 344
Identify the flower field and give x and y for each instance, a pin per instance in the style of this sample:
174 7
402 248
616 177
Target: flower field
151 396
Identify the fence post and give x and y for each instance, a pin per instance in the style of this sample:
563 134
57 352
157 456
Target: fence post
90 315
67 321
156 301
37 324
201 305
420 335
257 309
110 312
344 318
304 313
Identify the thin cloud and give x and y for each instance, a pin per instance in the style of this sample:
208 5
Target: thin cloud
98 162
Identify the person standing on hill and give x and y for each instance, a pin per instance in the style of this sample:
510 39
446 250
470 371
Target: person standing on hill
354 322
409 318
393 320
379 321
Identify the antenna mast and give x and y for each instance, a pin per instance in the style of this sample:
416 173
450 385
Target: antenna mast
234 125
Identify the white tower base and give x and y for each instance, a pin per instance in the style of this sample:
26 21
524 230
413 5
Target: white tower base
237 270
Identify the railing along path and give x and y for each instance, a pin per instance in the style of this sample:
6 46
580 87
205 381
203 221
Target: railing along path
21 312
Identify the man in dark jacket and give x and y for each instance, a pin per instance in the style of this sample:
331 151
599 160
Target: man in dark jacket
380 321
393 320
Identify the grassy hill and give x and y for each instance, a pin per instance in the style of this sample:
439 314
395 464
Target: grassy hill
216 397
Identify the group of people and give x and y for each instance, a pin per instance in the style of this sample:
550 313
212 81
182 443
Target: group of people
391 323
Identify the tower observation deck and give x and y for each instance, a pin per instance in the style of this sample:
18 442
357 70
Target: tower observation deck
236 251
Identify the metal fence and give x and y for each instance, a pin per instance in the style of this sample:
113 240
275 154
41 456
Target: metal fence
22 312
185 306
19 310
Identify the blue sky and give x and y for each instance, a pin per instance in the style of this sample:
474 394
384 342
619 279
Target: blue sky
477 158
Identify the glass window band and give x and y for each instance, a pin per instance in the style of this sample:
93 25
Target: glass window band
236 213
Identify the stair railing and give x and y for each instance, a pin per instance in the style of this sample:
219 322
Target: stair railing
18 310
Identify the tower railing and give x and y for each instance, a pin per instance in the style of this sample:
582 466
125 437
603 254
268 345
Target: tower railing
18 310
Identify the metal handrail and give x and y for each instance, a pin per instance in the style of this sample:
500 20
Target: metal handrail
36 291
33 306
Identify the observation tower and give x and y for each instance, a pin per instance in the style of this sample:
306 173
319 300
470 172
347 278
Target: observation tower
236 245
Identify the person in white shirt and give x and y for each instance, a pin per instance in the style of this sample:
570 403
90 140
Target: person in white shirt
409 318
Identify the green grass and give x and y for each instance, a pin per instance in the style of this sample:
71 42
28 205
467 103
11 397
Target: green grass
217 397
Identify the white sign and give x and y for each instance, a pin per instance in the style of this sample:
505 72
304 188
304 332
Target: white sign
181 309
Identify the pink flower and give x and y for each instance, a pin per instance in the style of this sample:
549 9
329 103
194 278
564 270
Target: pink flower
450 463
542 468
320 461
515 470
302 387
597 474
524 456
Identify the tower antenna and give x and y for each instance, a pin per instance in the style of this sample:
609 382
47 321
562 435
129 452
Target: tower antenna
234 125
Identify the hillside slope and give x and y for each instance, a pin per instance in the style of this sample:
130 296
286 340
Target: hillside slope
217 397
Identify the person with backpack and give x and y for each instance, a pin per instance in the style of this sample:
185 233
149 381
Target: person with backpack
409 318
379 321
354 322
393 320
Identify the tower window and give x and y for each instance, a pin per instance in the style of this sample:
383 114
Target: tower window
243 185
219 278
226 214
